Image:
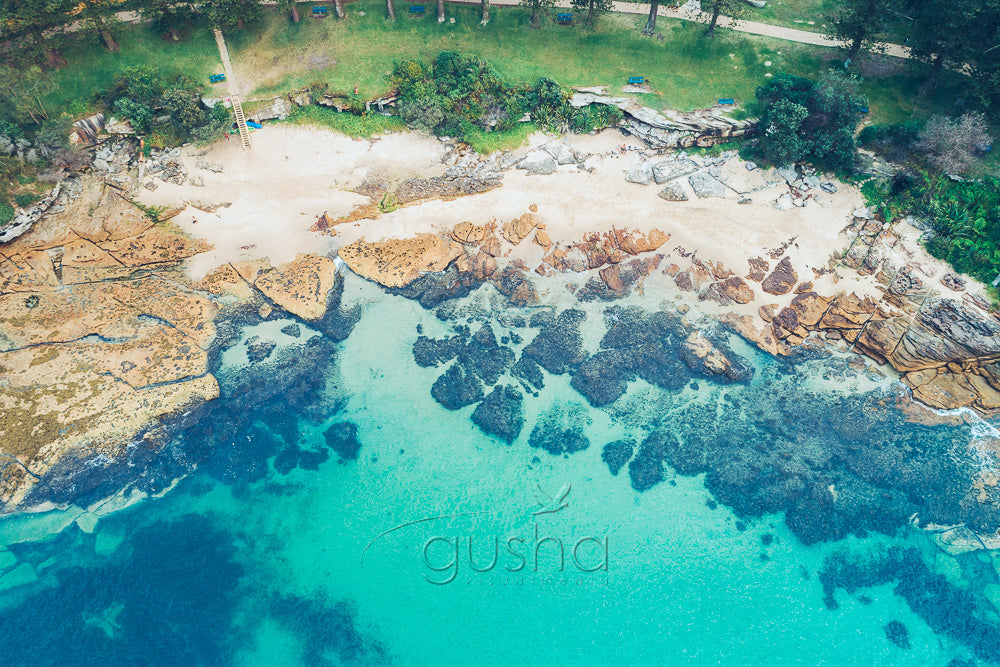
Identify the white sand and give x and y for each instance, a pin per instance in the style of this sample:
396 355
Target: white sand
294 174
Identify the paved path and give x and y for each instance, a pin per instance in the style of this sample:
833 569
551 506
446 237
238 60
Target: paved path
691 11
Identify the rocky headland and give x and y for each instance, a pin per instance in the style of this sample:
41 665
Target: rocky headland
111 324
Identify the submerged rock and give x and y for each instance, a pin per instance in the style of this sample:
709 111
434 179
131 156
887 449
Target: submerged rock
429 352
561 431
558 347
617 453
500 413
342 438
646 469
897 633
457 388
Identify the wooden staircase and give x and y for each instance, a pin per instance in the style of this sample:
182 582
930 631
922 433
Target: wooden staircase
234 97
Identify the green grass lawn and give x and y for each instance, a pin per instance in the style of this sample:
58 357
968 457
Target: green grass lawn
796 13
686 70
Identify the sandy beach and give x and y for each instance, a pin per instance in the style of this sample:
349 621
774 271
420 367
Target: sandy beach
262 204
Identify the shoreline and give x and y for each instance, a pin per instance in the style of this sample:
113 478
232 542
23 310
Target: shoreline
248 242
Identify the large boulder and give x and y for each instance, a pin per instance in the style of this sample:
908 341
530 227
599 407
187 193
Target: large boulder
560 152
669 170
782 279
705 185
641 173
538 162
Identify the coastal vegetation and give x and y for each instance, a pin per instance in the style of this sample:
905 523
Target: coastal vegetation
521 62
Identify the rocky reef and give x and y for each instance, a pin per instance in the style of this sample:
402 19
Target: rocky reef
105 342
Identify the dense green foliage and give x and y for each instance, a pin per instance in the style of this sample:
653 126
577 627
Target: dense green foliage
807 120
458 96
964 217
140 91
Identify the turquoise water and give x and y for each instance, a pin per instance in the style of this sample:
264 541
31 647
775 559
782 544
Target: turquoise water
350 562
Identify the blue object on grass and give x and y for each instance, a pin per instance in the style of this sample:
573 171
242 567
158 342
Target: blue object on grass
417 9
726 100
217 78
639 80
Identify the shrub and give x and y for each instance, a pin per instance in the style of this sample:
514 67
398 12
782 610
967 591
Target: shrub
954 145
138 114
807 120
424 113
893 141
184 108
141 84
25 199
6 213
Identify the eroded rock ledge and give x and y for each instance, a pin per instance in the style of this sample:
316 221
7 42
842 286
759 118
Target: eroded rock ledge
103 337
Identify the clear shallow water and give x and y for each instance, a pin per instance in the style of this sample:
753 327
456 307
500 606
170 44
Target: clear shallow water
266 569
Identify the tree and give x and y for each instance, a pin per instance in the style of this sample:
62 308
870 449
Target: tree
536 7
440 4
21 91
139 115
184 107
226 15
338 6
486 11
167 16
101 15
292 6
802 119
954 145
33 18
140 83
592 7
390 10
862 23
949 32
734 9
654 7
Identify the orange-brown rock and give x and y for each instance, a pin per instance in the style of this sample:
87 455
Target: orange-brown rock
810 308
848 311
226 280
491 246
300 286
768 311
398 262
542 239
780 280
484 265
97 350
518 229
467 233
758 269
801 288
611 275
735 288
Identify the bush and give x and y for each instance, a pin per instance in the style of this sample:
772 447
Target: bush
6 213
807 120
141 84
184 108
25 199
465 97
217 123
139 115
893 141
954 145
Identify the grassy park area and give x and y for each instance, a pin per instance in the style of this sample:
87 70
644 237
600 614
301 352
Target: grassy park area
686 70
